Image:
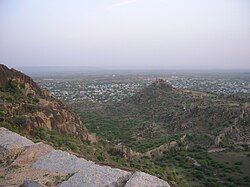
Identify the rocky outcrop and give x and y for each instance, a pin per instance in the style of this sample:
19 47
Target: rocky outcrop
160 83
96 175
146 180
161 149
40 165
37 107
32 183
123 151
31 154
8 76
61 162
231 133
11 145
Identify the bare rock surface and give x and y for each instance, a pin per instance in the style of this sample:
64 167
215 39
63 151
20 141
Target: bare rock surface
11 144
38 165
62 162
31 154
145 180
97 175
32 183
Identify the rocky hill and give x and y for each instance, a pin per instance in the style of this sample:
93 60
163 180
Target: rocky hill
186 137
25 106
206 119
28 164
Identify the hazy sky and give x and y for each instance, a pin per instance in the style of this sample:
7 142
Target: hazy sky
126 33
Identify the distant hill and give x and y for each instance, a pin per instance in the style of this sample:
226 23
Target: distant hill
165 112
188 138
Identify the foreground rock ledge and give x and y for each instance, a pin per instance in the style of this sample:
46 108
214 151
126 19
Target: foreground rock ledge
11 144
39 164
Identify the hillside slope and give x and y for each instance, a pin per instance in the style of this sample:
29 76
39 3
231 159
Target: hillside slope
23 105
186 137
209 120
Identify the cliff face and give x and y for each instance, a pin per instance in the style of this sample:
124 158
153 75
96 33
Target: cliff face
23 103
11 75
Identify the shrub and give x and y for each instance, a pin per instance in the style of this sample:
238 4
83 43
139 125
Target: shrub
32 108
246 179
20 120
57 179
14 128
57 139
2 177
101 157
36 100
72 146
238 163
2 113
11 87
41 133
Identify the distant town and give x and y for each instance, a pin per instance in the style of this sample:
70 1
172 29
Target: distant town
98 92
115 89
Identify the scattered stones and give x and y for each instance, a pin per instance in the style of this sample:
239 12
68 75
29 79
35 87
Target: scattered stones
145 180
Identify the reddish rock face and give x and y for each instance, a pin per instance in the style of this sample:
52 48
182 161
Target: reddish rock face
7 75
48 112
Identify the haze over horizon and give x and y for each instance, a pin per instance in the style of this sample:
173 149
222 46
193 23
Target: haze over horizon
181 34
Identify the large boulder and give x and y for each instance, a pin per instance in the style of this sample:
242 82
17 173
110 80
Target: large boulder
32 183
96 175
11 144
32 154
61 162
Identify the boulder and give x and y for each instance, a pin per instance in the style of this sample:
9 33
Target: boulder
145 180
96 176
32 183
32 154
11 144
61 162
